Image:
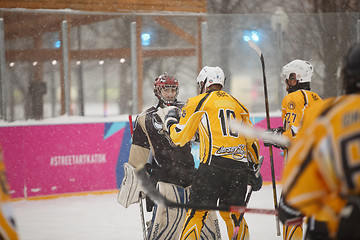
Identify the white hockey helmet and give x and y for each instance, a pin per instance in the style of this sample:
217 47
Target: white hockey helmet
209 76
302 69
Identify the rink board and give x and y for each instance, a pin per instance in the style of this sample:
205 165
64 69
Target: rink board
58 159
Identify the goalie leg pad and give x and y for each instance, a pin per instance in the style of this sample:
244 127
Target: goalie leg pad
167 222
129 191
211 229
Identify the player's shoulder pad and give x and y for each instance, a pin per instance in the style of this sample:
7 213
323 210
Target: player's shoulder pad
141 117
194 100
179 104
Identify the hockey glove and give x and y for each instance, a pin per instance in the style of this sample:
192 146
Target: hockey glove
289 215
163 111
268 142
172 117
254 177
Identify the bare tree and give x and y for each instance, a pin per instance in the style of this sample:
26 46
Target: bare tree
336 33
324 34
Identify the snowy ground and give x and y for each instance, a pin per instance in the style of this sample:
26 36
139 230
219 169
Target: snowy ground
100 217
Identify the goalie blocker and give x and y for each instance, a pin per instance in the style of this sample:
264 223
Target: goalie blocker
129 192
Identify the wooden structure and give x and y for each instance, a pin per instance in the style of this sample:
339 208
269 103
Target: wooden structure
25 24
195 6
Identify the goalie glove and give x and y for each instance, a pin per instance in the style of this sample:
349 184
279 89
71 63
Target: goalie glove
163 111
269 142
172 117
171 113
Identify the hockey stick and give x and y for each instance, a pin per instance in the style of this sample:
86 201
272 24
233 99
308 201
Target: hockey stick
142 216
159 199
236 230
131 125
254 132
258 51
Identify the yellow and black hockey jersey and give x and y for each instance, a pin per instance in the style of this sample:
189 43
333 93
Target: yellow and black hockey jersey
293 108
209 114
323 167
7 221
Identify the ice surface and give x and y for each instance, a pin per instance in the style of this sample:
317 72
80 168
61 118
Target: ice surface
100 217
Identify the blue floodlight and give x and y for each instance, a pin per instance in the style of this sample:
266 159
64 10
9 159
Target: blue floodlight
57 44
251 35
246 38
255 36
145 39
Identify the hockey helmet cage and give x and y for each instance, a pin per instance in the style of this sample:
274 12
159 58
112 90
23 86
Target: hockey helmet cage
165 81
209 76
302 69
351 70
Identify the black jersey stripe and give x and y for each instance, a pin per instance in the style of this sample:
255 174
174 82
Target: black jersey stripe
256 150
208 160
202 101
305 99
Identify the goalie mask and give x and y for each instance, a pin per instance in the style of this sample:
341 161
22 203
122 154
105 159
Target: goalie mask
351 70
166 89
298 70
209 76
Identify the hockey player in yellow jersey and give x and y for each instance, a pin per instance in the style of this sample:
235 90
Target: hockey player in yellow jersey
7 221
225 155
322 176
297 76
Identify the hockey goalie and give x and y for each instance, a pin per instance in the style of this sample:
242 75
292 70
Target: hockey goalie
171 168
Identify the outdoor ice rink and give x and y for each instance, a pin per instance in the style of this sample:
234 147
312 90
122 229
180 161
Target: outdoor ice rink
100 217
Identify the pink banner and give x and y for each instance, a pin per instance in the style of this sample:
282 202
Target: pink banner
56 159
278 157
68 158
